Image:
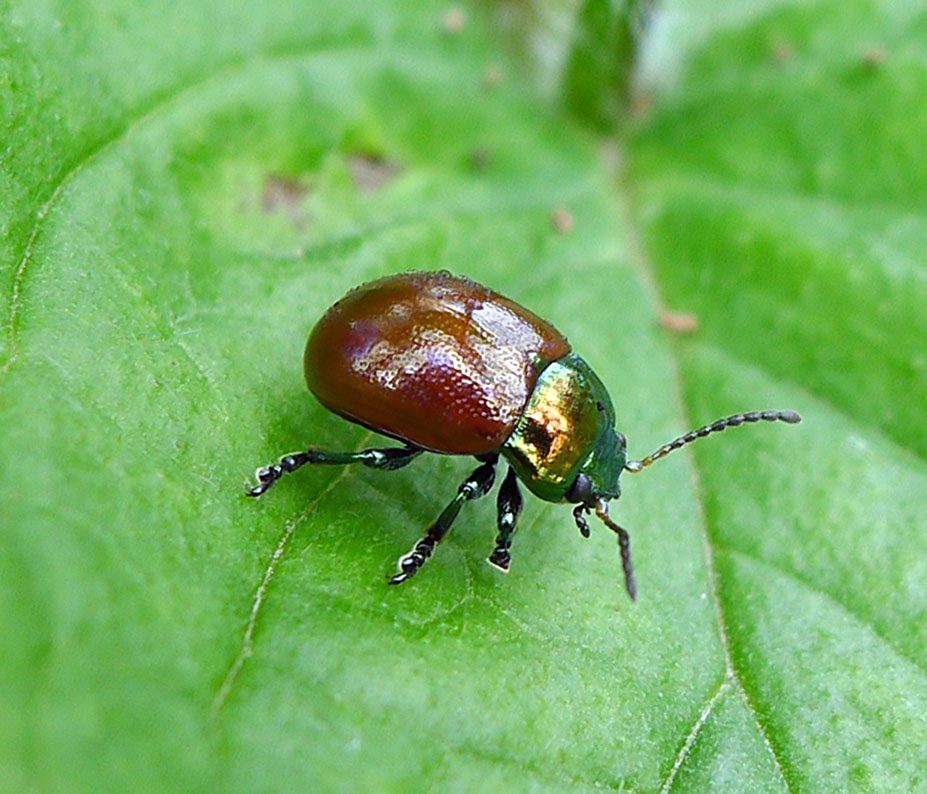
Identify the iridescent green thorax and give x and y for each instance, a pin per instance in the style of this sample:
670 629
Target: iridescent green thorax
567 429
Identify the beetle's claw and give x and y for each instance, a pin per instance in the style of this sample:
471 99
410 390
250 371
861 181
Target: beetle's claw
266 476
408 566
408 569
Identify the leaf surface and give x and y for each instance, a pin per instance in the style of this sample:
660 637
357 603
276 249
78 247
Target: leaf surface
185 190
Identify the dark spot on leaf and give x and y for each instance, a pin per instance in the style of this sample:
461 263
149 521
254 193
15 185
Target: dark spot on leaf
454 19
491 77
562 221
679 322
641 105
284 195
782 51
280 192
480 158
371 172
873 57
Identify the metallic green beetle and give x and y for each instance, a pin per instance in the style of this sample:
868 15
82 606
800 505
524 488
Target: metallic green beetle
443 364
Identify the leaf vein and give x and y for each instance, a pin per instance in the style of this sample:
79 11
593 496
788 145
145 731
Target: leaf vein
831 599
640 259
695 730
247 643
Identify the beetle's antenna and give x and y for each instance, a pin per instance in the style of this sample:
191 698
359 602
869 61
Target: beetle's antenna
736 420
624 542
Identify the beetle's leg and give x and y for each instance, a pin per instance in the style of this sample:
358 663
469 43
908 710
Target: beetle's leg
475 486
509 504
388 459
581 524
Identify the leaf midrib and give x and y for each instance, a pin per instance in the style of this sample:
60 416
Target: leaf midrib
639 256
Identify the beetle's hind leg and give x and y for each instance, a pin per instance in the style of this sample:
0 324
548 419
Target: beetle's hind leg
476 485
508 505
388 459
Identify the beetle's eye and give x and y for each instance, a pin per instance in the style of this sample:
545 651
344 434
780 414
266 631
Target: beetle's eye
622 441
580 490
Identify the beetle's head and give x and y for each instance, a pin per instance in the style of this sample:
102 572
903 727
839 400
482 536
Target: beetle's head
598 476
596 485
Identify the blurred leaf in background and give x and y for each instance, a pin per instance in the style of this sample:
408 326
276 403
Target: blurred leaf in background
185 189
602 55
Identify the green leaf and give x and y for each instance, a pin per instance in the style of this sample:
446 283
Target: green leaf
779 188
184 190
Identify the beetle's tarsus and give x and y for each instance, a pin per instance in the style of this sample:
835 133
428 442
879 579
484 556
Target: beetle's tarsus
581 524
415 559
268 475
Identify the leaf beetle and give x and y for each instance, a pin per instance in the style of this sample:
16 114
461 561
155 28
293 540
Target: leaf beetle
442 364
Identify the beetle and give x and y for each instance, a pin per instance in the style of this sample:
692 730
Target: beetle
442 364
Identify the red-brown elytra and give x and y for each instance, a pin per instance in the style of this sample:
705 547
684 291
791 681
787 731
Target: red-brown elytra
443 364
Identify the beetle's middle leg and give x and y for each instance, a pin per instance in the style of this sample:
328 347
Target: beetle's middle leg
475 486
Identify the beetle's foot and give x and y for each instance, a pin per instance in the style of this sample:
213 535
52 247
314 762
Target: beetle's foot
581 524
268 475
501 559
415 559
